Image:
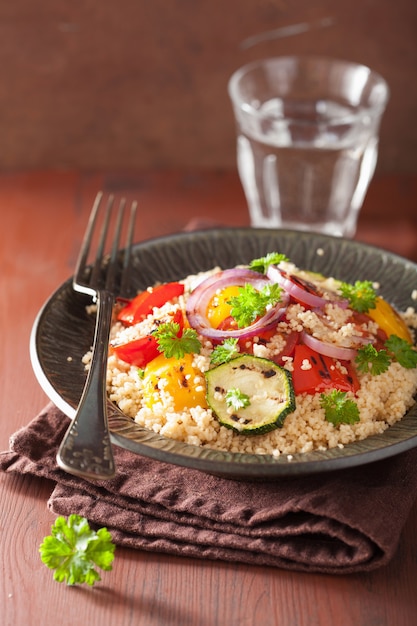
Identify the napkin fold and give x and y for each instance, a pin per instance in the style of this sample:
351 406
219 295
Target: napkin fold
339 522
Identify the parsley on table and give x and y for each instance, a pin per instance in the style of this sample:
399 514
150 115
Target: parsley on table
261 265
339 409
361 295
172 344
402 351
250 303
370 360
74 549
225 351
237 399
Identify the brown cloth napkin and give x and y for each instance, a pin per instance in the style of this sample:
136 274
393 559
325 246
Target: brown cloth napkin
342 522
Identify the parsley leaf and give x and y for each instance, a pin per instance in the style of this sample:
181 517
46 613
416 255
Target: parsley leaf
251 303
73 549
172 344
237 399
361 295
370 360
225 351
339 409
402 351
261 265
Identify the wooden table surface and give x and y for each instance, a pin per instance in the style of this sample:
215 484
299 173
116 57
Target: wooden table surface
43 216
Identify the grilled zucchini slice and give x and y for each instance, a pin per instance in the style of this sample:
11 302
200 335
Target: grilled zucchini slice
265 388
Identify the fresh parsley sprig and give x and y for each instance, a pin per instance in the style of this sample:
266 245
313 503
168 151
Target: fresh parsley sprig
361 295
174 344
236 399
370 360
250 303
272 258
338 409
225 352
402 351
73 550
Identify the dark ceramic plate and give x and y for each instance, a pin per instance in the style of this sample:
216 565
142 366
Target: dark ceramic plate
63 332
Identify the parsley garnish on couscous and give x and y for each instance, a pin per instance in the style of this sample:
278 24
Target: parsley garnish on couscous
261 265
405 354
338 409
251 303
368 359
172 343
361 295
225 351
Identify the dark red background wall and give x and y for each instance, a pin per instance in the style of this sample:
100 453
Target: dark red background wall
143 83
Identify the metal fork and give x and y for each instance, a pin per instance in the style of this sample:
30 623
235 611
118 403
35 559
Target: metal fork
86 449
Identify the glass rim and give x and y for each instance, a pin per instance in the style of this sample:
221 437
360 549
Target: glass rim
379 80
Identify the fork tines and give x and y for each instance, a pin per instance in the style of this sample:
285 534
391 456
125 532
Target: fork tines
106 217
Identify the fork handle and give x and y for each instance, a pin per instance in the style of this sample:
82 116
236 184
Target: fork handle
86 449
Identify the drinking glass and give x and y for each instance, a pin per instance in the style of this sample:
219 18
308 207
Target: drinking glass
307 140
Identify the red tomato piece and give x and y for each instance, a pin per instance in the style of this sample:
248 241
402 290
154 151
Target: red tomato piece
141 306
323 373
138 352
229 323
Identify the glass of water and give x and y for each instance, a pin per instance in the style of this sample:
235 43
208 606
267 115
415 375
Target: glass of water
307 140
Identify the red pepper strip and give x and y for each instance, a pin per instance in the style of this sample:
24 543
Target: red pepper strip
140 352
141 306
363 318
323 373
288 350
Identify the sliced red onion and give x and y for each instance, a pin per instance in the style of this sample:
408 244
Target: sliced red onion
328 349
297 289
200 298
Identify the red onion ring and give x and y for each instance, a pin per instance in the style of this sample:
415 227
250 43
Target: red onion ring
199 299
295 289
328 349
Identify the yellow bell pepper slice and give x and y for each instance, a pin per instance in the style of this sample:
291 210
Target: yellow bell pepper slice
389 320
218 308
174 382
